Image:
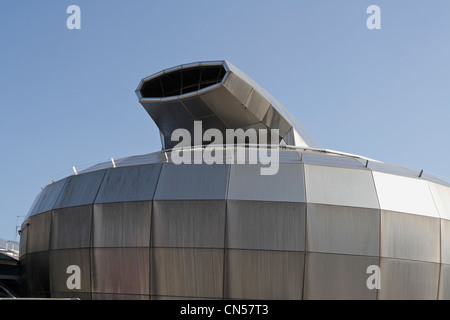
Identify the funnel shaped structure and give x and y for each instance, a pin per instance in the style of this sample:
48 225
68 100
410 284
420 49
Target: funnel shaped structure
219 95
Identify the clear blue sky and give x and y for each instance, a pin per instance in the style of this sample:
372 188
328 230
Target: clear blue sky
67 96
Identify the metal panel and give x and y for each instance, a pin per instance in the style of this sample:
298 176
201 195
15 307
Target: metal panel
238 87
331 160
37 275
348 230
336 277
189 224
274 120
60 260
192 181
444 284
48 197
24 283
340 186
264 274
105 296
187 272
120 270
408 280
247 183
197 107
409 236
122 224
441 197
266 225
257 104
178 111
71 227
136 183
218 98
402 194
80 189
445 241
39 232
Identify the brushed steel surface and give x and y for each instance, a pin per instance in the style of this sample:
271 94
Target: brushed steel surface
345 230
71 227
444 282
338 277
135 183
340 186
60 260
197 107
246 183
125 224
274 120
237 87
226 106
80 189
409 236
252 274
408 280
37 266
263 225
192 182
257 104
445 241
402 194
38 237
48 197
187 272
120 270
188 224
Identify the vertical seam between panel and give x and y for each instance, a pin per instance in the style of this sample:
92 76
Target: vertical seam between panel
91 254
440 239
302 164
377 297
225 232
150 242
91 264
60 193
100 185
49 254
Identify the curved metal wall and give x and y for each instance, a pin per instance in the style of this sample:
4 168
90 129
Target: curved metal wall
149 229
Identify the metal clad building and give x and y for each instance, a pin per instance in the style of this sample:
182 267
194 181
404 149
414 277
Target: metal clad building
146 228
